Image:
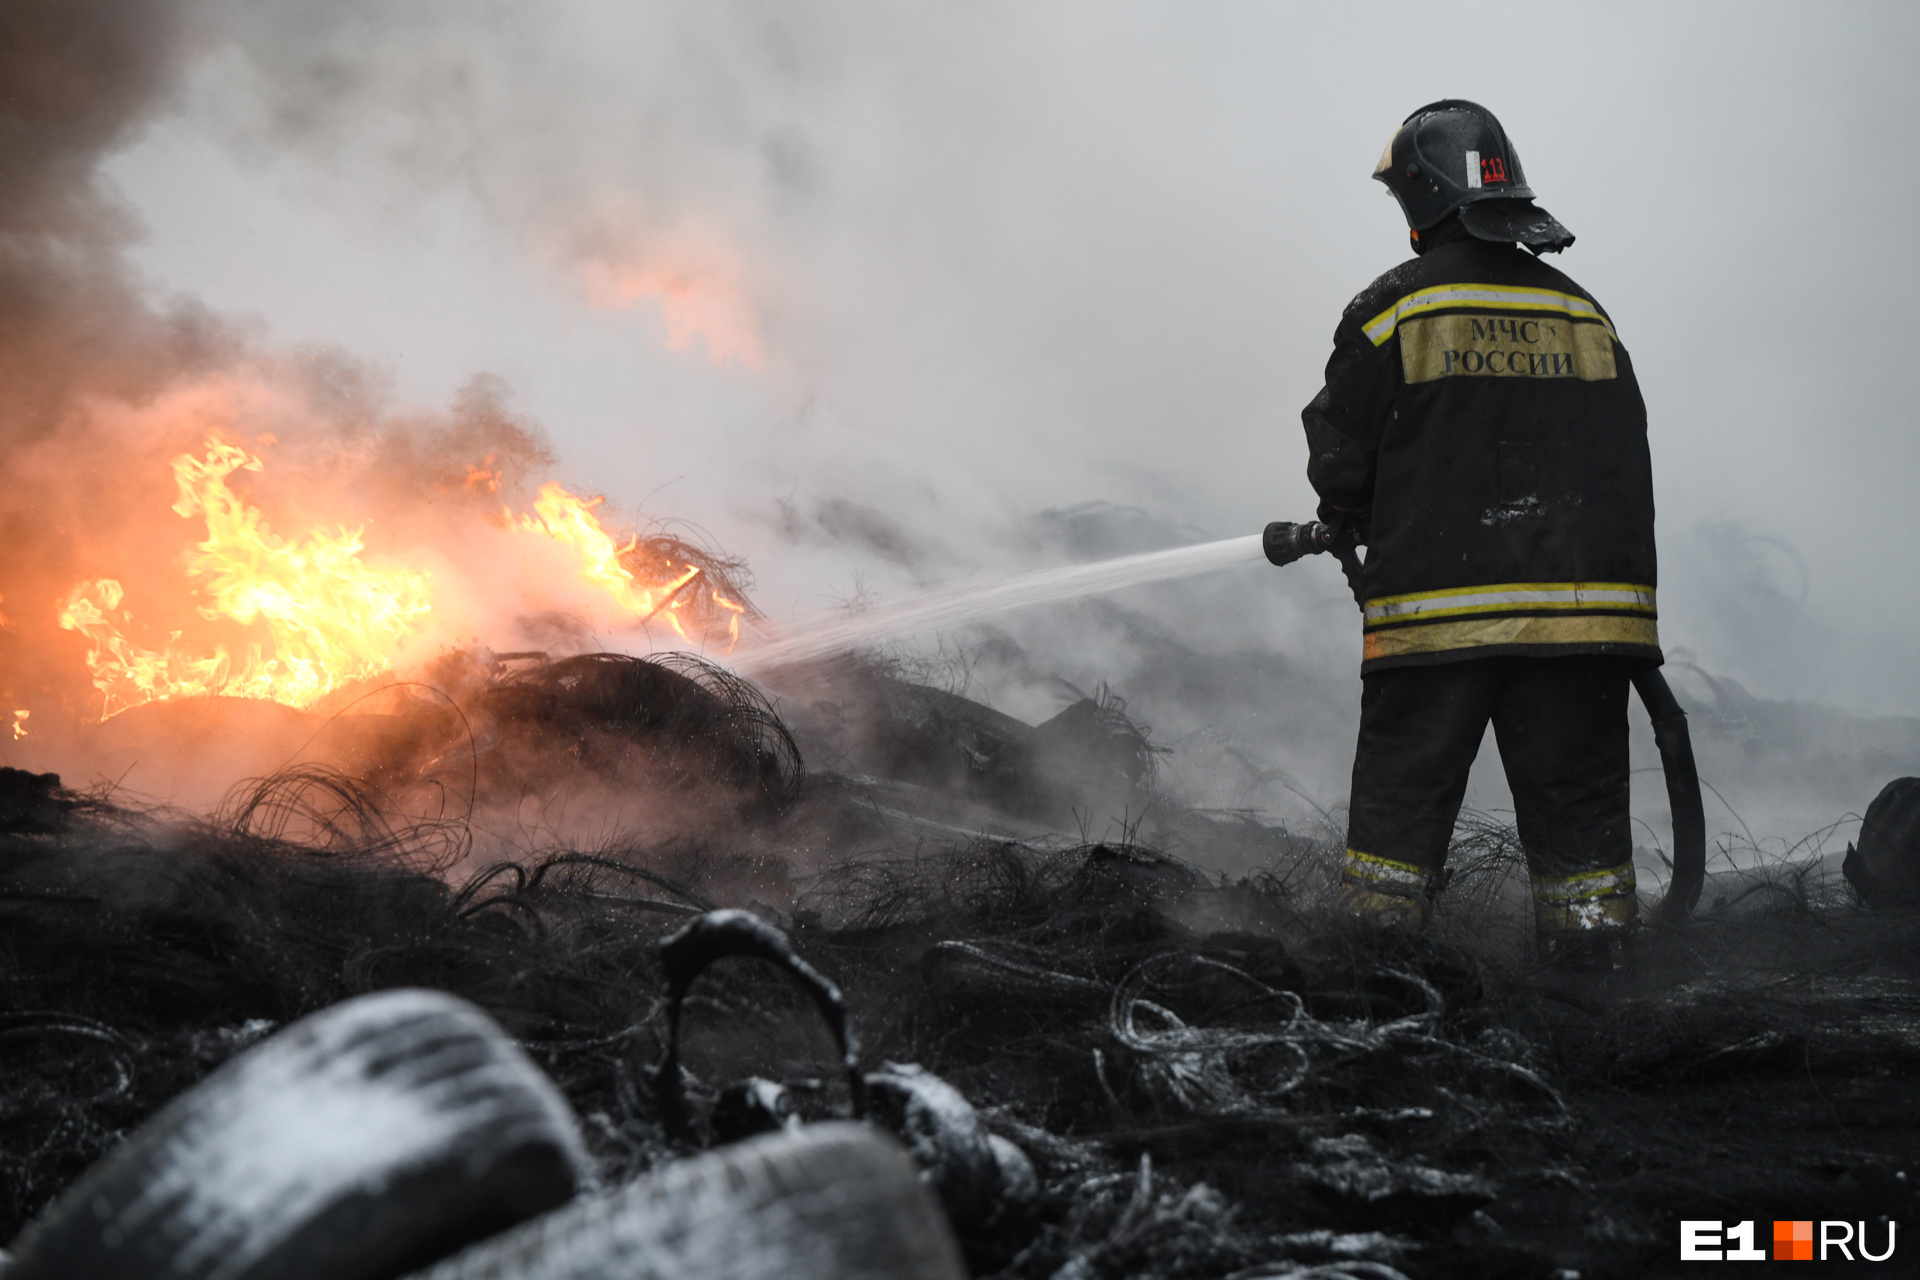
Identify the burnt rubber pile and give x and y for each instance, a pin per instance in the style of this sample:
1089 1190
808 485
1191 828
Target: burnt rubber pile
1102 1061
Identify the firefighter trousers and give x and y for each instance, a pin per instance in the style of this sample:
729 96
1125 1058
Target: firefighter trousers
1561 726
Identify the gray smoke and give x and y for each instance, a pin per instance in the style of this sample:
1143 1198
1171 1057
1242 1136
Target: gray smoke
957 266
79 80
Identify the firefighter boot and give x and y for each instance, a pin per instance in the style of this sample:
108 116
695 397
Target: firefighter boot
1582 921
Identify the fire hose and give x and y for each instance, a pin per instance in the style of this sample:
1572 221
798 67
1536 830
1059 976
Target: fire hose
1285 542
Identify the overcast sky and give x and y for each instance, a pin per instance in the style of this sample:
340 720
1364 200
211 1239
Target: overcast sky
956 263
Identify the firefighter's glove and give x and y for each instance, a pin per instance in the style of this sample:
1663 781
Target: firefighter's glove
1346 524
1342 540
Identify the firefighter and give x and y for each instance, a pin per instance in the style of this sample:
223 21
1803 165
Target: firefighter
1482 435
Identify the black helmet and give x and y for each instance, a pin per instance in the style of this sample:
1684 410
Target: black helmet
1453 155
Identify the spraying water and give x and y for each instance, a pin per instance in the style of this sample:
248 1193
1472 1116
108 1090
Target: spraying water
820 634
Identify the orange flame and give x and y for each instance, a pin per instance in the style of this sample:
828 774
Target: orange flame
332 619
20 724
329 619
734 610
569 518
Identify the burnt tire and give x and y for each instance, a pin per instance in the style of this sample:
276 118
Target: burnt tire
357 1144
1885 867
835 1201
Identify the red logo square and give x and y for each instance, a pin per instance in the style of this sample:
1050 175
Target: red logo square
1793 1241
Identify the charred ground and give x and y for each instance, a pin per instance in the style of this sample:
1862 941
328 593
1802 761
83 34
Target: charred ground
1213 1074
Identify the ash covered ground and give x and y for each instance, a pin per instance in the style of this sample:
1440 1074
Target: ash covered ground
1213 1072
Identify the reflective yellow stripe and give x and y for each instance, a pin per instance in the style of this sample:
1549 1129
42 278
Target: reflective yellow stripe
1476 633
1586 900
1512 586
1379 872
1509 597
1583 885
1495 297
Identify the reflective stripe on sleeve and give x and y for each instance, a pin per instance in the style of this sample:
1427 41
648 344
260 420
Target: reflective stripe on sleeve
1496 297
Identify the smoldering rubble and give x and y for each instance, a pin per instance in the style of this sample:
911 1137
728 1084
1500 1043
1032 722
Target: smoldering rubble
1205 1073
1209 1074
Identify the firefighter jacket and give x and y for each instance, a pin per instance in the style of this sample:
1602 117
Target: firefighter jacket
1482 426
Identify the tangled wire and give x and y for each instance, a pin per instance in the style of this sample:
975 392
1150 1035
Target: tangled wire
1211 1077
687 722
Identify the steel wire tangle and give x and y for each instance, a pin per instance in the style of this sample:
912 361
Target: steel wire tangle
1023 977
319 808
1194 1062
750 714
1151 1215
577 874
700 723
33 1027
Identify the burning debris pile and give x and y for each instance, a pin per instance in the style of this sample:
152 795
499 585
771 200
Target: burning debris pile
637 881
332 621
190 512
868 717
1204 1076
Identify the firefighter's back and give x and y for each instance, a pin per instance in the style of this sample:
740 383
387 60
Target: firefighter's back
1512 504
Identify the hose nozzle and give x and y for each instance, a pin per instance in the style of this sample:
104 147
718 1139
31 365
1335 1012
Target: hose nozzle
1284 542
